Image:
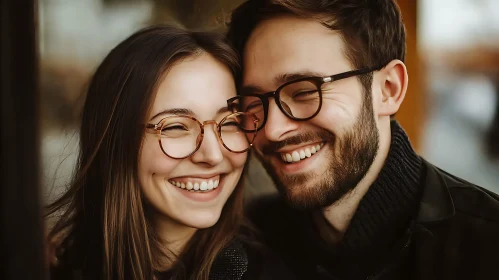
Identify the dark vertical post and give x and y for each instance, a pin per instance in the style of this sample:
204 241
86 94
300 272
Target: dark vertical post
21 226
411 113
492 137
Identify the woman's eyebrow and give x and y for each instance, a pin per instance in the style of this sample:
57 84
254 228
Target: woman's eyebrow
185 111
174 111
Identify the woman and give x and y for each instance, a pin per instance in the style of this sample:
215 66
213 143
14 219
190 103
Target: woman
156 191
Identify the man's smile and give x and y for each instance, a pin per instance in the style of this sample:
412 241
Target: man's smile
301 153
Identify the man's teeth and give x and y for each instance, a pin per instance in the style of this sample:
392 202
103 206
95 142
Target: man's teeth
298 155
196 186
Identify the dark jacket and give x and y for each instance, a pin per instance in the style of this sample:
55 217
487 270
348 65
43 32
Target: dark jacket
455 234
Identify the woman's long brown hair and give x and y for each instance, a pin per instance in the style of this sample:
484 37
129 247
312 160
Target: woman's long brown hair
103 229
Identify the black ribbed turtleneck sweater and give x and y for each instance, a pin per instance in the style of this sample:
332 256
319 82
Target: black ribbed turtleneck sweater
383 217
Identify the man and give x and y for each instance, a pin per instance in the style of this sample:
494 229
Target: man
356 202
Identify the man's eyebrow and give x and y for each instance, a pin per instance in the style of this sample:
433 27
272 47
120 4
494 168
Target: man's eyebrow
281 79
223 110
184 111
250 89
288 77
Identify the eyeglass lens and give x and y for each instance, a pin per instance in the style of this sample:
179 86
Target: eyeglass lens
181 136
299 100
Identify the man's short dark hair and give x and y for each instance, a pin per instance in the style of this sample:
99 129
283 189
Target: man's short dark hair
372 30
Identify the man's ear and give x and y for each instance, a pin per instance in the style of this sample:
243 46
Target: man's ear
393 80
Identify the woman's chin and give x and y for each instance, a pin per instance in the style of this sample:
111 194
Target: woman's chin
201 220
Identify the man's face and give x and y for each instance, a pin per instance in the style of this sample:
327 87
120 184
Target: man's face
344 132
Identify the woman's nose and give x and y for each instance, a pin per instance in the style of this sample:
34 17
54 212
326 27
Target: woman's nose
210 150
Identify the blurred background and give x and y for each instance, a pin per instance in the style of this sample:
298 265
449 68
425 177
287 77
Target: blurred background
450 112
49 49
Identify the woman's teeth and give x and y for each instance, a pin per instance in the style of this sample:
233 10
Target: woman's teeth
202 186
298 155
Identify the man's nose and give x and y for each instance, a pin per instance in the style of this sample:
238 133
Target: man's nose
210 151
278 125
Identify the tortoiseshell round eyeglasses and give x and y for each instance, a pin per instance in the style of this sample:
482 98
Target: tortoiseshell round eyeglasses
180 136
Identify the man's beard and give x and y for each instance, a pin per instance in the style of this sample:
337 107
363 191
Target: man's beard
350 159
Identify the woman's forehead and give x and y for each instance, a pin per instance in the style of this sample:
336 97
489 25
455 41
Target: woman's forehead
200 84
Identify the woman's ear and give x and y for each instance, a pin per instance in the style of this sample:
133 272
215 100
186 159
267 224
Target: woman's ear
393 80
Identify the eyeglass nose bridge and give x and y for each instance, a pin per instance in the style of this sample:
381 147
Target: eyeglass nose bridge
280 104
216 130
272 94
213 122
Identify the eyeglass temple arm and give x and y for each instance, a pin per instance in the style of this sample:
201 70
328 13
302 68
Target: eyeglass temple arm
151 126
351 74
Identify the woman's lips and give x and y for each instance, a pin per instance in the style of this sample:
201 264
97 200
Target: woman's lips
198 189
196 184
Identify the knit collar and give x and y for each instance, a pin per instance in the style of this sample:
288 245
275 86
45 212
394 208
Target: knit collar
391 201
384 213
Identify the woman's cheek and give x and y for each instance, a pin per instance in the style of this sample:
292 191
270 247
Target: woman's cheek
153 161
238 160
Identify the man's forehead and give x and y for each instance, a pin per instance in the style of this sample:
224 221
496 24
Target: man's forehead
288 45
283 34
287 23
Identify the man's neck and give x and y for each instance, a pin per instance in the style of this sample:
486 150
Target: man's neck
335 219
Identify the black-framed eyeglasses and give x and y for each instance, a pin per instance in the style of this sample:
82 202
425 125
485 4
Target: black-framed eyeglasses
181 136
299 99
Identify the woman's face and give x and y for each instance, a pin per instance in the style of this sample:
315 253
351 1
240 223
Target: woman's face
197 86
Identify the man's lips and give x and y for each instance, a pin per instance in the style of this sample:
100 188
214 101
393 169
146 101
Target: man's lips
305 164
300 153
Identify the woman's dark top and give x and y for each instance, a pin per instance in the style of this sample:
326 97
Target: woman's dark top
242 261
238 261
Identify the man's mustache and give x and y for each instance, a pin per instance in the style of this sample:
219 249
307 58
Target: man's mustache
322 135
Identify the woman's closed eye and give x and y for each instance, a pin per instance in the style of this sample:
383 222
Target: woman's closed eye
177 130
174 128
230 125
